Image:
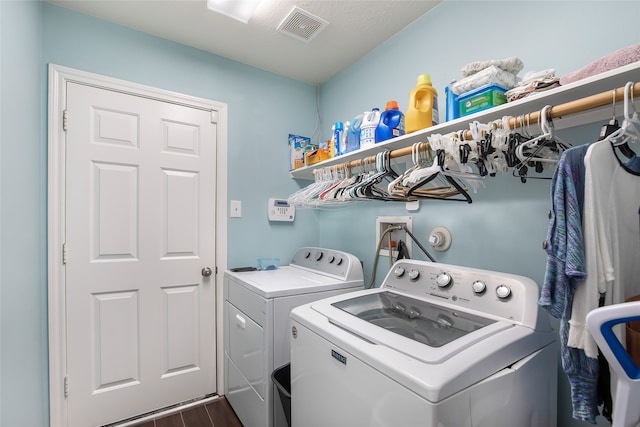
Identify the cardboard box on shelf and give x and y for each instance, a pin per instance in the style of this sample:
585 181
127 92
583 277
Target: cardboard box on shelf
298 145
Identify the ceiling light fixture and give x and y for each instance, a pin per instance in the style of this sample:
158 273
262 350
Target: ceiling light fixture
236 9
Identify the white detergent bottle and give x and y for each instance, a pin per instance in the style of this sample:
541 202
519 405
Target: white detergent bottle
345 135
370 122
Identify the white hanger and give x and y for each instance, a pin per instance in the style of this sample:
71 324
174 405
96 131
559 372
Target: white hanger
630 129
541 153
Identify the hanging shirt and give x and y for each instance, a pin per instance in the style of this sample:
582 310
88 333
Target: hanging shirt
565 268
612 239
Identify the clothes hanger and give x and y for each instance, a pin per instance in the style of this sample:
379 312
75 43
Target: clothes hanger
394 189
539 151
424 170
546 147
442 183
458 153
613 125
368 188
630 129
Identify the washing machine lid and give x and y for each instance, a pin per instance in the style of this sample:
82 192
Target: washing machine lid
420 329
289 280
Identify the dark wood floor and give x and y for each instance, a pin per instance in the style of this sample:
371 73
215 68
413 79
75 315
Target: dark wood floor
213 414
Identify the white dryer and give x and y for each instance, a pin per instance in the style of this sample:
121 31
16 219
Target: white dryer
256 325
435 346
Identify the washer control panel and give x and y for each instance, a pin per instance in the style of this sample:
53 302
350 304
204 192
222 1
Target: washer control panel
332 262
504 295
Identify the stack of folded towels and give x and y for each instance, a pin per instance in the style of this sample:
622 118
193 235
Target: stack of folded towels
501 72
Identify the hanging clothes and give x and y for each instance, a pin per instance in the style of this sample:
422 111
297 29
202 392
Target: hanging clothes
565 269
611 243
612 238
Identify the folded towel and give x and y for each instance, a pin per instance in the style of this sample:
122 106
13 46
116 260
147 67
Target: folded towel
490 75
608 62
511 65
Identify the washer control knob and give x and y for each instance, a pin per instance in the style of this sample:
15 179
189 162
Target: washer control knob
339 262
319 256
331 259
443 280
479 286
414 275
307 254
503 291
399 271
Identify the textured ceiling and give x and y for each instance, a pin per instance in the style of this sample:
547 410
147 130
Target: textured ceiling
355 28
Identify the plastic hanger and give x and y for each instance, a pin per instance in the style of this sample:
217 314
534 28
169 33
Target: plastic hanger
394 188
545 148
630 129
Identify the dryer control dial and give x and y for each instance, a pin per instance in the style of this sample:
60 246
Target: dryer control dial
414 275
319 256
331 259
444 279
479 287
503 291
398 272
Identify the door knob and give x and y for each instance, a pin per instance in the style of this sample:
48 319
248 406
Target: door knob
206 271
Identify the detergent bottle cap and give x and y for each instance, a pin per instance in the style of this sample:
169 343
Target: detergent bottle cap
392 105
424 79
338 126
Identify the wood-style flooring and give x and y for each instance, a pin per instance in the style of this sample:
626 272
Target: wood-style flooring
213 414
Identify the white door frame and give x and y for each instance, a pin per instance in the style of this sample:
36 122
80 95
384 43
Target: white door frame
58 78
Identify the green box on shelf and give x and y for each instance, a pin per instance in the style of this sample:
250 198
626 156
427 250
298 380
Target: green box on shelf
482 98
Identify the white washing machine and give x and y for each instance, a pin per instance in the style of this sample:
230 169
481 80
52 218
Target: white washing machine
435 346
256 331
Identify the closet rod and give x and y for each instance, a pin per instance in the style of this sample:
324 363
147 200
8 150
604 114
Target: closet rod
558 111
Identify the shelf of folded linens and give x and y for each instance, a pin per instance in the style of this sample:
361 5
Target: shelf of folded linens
607 81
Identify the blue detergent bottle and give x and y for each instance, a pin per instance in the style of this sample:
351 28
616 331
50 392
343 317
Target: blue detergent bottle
391 122
353 134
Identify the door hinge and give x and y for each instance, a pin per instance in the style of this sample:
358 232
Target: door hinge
66 386
214 116
64 120
64 253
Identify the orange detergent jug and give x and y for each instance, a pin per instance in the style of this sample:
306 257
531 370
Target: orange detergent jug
423 106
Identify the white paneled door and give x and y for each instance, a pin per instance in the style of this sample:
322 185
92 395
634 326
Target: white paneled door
139 254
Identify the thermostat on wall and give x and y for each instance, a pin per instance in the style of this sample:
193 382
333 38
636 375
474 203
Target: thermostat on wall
281 210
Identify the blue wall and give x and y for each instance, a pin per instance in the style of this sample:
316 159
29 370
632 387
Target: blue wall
502 229
23 284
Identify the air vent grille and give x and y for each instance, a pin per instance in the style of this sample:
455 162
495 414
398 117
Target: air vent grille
302 25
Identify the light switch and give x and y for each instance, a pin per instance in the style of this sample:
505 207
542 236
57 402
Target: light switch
236 209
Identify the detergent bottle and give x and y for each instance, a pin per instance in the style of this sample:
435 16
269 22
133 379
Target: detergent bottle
391 122
353 133
345 135
423 106
338 138
370 122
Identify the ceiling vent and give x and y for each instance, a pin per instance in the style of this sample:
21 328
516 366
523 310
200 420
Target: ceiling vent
302 25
